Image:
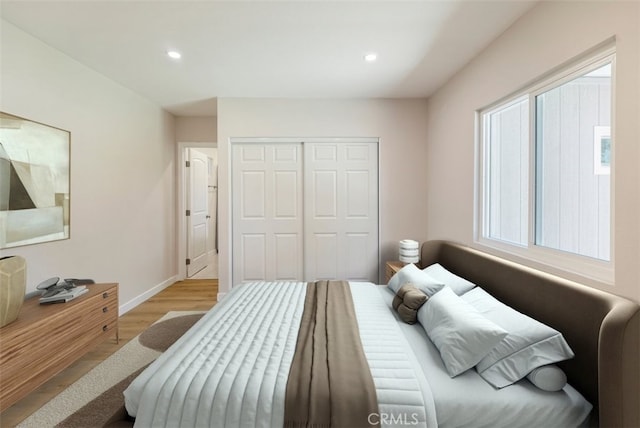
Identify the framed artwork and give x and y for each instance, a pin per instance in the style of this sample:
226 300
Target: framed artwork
602 150
34 182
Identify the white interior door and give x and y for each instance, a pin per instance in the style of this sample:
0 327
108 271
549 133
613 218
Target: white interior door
197 211
341 211
267 212
212 244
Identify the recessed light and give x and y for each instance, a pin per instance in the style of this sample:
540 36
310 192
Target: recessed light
371 57
174 54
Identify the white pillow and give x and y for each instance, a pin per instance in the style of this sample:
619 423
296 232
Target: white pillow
548 378
422 281
461 334
529 345
458 284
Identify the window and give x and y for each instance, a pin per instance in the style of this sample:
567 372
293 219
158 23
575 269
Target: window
507 173
545 170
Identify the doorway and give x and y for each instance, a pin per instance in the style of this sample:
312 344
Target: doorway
198 211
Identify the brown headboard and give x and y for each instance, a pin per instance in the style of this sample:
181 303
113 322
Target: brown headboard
602 329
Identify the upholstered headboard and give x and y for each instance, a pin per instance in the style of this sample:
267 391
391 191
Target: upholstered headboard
602 329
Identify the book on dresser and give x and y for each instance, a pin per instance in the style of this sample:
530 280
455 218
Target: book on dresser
65 295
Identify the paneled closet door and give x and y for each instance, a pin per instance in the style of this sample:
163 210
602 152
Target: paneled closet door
341 211
267 212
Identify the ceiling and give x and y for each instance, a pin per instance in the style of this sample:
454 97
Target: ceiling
283 49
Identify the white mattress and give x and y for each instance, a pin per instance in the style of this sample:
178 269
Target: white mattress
229 371
469 401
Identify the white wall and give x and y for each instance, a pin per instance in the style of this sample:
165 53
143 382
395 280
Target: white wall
196 129
122 170
546 37
399 124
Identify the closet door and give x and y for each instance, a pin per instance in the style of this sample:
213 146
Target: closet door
267 212
341 211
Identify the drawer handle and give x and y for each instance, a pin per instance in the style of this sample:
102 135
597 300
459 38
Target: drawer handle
105 295
105 328
105 310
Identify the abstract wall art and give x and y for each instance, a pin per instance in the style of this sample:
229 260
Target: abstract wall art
34 182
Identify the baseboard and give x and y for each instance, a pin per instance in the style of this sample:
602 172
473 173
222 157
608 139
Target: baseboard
146 295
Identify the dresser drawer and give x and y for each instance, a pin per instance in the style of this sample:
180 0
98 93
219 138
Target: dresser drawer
101 305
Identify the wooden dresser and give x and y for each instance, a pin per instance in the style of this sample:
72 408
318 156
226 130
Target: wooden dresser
45 339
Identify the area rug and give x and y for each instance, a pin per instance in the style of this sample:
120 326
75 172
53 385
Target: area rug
95 400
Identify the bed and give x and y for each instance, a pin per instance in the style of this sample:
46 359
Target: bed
230 370
603 329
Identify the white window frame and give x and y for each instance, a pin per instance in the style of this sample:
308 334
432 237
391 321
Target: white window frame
556 261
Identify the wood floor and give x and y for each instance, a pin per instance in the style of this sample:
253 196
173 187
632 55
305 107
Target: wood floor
188 295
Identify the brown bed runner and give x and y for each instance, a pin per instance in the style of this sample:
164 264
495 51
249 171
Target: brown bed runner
330 384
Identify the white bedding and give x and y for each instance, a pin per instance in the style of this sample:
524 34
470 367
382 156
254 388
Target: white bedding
463 401
229 371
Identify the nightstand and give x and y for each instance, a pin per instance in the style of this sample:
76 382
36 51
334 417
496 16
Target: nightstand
391 268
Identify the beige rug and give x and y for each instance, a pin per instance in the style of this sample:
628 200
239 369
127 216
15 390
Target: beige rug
95 400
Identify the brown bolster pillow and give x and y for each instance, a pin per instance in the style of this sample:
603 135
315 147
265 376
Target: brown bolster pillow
407 301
